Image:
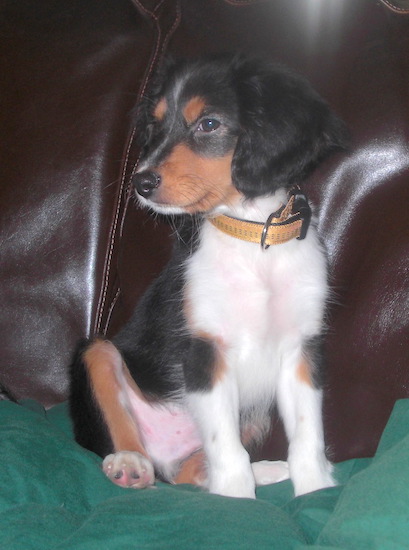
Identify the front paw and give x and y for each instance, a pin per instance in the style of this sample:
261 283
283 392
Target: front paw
129 469
312 476
238 484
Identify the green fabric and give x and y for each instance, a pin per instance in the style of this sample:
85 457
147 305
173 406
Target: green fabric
53 495
373 509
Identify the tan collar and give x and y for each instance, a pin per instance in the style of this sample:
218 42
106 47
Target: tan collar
289 222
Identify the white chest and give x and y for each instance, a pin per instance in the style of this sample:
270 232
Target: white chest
260 304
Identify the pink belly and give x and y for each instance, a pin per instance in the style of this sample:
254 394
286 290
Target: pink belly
169 433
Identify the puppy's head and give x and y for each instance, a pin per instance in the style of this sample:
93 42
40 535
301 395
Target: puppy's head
218 130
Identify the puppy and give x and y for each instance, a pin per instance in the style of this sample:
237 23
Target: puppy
233 324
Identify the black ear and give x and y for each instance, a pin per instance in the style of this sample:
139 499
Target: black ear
286 128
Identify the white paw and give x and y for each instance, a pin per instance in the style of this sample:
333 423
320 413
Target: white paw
238 483
312 477
129 469
267 472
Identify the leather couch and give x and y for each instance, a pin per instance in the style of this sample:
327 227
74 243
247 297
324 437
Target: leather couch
76 252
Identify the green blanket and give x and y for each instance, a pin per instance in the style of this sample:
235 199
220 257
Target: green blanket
54 495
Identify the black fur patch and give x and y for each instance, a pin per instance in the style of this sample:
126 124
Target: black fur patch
199 365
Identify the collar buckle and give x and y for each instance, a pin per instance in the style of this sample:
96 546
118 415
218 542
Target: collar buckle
301 206
290 221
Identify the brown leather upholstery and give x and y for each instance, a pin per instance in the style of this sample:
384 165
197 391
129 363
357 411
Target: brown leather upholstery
75 251
72 72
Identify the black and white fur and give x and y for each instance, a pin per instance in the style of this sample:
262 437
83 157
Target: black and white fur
228 329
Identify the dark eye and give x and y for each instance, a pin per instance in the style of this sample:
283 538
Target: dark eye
208 125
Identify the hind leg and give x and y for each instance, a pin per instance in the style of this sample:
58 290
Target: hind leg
102 416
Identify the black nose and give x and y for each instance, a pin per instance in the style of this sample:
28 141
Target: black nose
146 183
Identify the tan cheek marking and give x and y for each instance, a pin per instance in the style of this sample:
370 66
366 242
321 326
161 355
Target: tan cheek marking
199 184
160 109
102 361
193 109
304 373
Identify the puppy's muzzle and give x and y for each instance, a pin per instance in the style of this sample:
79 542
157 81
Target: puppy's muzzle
146 183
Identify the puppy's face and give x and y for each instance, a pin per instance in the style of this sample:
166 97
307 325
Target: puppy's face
192 127
216 131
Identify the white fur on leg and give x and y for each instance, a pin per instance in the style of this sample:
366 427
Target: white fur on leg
309 473
300 408
229 469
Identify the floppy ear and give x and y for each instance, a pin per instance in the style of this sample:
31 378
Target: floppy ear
286 128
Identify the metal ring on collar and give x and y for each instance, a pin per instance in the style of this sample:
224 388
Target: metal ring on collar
264 232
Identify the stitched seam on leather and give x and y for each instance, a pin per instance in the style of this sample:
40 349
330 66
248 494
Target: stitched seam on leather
174 26
113 231
395 8
112 236
240 3
157 7
111 309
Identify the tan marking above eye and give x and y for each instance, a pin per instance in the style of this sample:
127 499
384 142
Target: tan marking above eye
160 109
193 109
